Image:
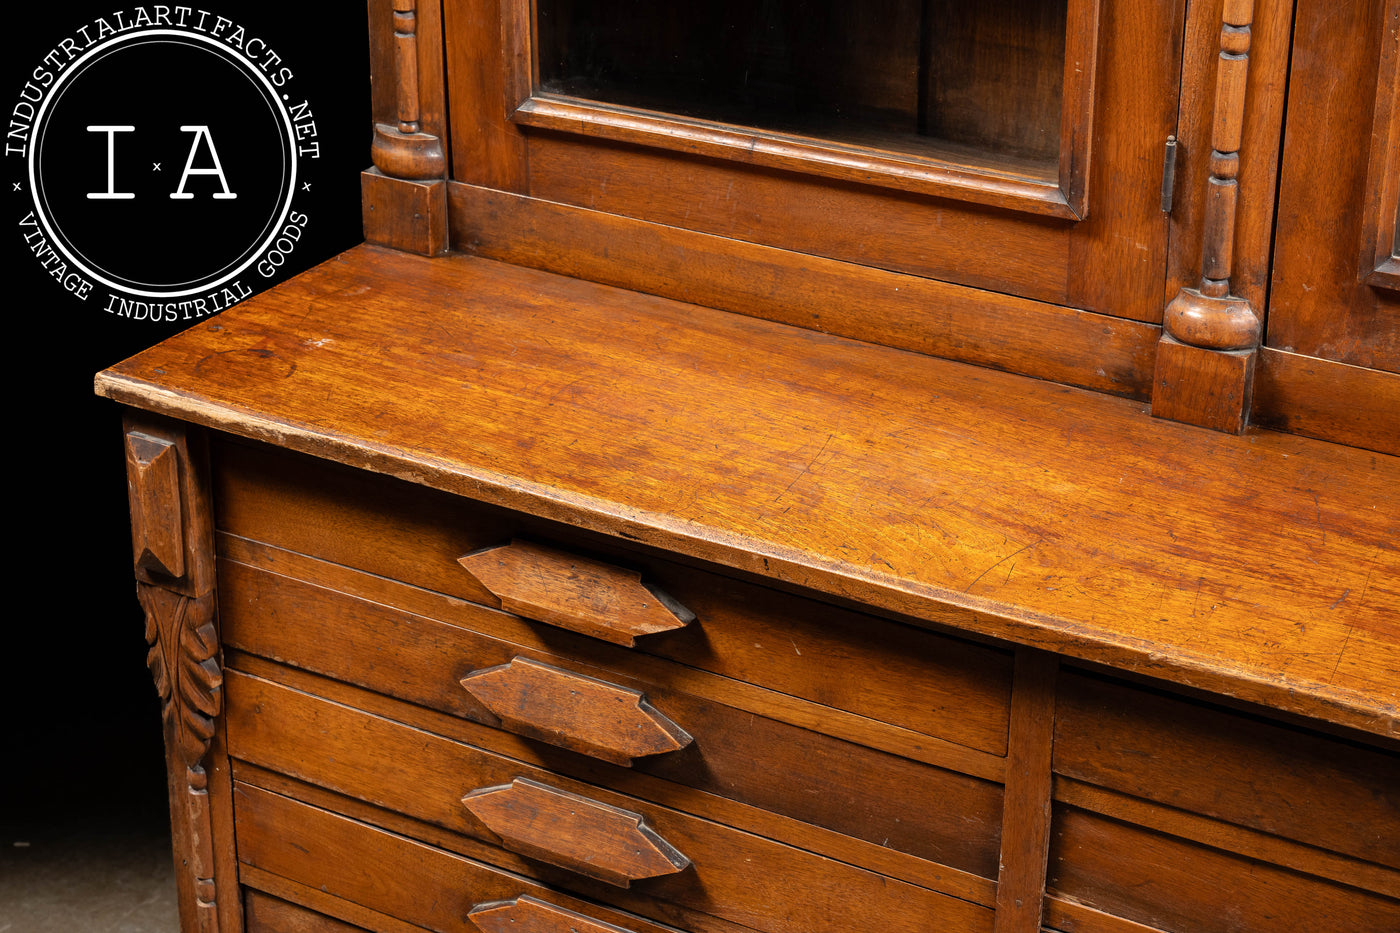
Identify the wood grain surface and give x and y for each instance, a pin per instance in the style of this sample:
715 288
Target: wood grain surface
270 915
943 697
573 592
837 785
1263 566
733 875
527 914
574 711
1322 398
1170 884
1289 782
574 832
974 325
1322 304
337 863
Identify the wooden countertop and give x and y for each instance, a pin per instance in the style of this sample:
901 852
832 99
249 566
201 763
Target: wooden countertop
1264 567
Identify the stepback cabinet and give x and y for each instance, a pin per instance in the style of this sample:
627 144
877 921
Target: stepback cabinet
795 466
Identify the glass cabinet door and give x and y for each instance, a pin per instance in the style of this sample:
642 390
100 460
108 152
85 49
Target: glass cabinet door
970 176
974 100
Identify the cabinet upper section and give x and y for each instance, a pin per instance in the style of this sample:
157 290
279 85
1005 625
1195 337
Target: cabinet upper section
1027 185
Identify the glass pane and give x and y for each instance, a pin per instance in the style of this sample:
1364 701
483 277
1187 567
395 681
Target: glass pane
919 77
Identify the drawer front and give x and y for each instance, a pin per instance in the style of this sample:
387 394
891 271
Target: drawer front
1303 786
612 697
294 845
574 835
264 914
931 684
1174 885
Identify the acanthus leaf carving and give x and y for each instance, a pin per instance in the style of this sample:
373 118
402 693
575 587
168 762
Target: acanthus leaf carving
184 665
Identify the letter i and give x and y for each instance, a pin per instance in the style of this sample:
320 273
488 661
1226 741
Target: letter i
111 194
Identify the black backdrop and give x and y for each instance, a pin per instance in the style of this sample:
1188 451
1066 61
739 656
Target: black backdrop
79 723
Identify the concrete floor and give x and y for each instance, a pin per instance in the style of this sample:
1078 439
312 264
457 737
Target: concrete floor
114 878
84 830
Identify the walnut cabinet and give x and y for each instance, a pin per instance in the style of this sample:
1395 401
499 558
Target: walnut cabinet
801 466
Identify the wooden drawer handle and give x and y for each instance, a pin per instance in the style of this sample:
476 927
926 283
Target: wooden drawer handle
526 914
573 832
575 712
574 593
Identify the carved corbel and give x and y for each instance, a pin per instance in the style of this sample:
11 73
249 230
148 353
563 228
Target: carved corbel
1205 359
405 194
173 552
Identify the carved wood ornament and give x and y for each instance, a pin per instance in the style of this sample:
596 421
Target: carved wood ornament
404 150
173 555
404 196
184 663
1210 336
1209 316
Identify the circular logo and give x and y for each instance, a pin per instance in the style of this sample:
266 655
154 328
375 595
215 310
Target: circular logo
163 163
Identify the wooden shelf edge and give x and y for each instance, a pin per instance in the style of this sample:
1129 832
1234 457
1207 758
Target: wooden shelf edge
943 607
756 548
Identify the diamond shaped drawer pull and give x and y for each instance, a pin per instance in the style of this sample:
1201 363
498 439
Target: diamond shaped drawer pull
572 711
573 832
574 593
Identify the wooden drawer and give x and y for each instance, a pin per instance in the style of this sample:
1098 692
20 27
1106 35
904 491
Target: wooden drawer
1171 884
728 751
1300 785
722 872
949 690
264 914
383 881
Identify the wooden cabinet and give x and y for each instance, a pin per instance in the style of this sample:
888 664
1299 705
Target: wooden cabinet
620 540
1334 316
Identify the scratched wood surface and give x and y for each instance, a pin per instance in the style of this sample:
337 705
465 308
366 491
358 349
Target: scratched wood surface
1263 566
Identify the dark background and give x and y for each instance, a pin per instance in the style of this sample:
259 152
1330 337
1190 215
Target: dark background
80 737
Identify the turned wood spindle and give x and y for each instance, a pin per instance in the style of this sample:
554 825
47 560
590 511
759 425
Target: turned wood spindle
1208 316
406 64
403 150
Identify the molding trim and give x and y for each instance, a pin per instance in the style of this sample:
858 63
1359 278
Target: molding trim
1187 386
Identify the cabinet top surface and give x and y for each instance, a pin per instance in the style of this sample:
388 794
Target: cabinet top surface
1264 566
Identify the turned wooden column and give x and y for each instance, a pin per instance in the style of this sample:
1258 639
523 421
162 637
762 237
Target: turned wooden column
405 193
1210 336
173 547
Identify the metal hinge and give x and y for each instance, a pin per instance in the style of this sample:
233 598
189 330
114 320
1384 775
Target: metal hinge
1168 175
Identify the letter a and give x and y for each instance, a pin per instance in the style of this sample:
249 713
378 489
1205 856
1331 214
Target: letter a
111 194
202 132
